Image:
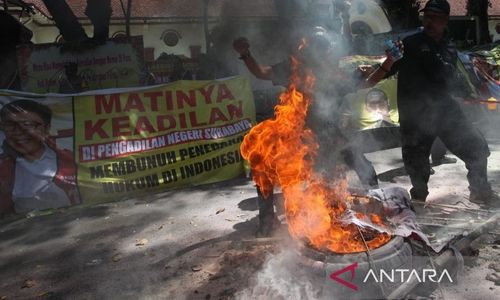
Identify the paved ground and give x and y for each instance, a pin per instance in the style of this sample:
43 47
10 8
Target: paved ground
195 243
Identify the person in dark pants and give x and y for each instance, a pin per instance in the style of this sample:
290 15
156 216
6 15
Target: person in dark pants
427 85
323 114
438 154
99 13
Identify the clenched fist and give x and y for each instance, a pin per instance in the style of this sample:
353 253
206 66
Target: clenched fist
241 45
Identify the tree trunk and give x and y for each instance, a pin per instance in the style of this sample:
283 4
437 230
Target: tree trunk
479 8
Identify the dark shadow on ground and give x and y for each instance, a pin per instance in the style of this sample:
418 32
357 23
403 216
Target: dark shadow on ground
78 262
389 176
241 256
243 230
40 229
252 204
494 178
211 189
249 204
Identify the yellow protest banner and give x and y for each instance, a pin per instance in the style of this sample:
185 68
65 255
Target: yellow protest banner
182 133
105 145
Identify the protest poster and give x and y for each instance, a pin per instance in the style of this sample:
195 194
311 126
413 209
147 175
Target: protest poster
118 63
109 145
372 107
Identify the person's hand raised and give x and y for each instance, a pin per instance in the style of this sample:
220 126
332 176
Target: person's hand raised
241 45
390 54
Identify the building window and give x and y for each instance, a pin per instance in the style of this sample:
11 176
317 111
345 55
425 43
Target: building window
171 37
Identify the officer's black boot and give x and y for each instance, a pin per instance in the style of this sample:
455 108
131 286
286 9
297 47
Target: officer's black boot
266 215
480 189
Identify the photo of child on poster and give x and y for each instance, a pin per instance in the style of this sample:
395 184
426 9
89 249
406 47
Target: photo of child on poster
35 174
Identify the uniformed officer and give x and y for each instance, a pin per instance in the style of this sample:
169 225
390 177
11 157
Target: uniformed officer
427 83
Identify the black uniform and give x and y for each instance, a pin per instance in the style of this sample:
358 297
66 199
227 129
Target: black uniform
427 80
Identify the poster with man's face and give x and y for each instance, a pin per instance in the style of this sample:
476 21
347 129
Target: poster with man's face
373 107
36 157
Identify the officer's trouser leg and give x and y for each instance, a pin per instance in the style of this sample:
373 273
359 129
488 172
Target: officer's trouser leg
416 150
357 161
266 213
466 142
438 150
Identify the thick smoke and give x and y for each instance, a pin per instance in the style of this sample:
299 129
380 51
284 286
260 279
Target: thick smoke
281 278
275 40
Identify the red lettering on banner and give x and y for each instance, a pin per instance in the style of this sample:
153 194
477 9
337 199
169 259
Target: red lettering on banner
161 122
90 129
108 106
182 98
120 123
235 111
217 115
143 125
134 102
207 93
224 93
154 99
169 100
182 120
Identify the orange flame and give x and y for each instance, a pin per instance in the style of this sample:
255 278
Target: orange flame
282 151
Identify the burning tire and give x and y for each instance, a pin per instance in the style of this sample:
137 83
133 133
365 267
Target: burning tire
349 270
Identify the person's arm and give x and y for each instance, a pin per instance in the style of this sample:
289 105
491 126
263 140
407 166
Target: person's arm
380 73
242 46
346 22
388 68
